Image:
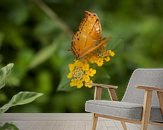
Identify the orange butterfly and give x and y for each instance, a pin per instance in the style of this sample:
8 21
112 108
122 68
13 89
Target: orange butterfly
89 36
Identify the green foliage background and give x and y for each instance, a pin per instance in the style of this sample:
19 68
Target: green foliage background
35 35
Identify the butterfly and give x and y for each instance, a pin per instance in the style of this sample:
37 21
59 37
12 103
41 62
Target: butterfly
88 38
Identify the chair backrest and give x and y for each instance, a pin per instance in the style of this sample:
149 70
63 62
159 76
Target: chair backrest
148 77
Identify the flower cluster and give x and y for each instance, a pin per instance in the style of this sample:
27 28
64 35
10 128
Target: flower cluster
80 71
99 56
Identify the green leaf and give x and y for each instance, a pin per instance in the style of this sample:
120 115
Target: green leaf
20 99
4 72
64 82
8 126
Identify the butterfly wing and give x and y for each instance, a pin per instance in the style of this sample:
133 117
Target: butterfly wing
88 37
99 44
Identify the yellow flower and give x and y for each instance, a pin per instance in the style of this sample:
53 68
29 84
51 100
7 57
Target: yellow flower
100 62
92 59
107 59
85 67
69 76
79 84
71 67
80 72
111 53
78 63
89 84
72 83
86 78
92 72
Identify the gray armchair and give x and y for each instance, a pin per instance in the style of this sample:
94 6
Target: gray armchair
141 104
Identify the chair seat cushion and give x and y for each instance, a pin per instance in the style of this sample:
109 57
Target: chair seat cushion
125 110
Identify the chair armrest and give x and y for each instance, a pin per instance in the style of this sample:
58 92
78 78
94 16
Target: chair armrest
150 88
111 90
104 86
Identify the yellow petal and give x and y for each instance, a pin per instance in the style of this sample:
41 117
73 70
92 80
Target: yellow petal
71 67
69 76
111 53
88 84
72 84
107 59
99 63
79 85
85 67
92 72
86 78
78 63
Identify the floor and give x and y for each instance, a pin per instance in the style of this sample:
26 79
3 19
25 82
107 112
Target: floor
57 121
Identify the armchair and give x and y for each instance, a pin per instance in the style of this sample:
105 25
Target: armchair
137 106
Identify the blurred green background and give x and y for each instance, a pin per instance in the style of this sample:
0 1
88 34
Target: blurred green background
36 36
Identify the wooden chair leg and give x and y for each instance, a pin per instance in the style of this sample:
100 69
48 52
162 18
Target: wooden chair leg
124 125
146 110
94 121
160 98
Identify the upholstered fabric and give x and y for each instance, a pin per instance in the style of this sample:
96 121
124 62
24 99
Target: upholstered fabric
125 110
148 77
